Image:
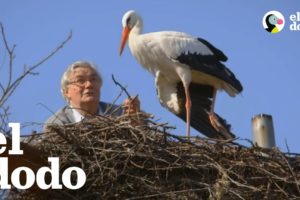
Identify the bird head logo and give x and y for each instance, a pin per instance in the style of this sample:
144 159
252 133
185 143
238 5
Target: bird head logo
273 21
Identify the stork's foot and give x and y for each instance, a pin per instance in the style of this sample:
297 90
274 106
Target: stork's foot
218 126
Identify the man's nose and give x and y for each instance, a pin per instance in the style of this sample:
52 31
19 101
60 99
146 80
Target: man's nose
89 83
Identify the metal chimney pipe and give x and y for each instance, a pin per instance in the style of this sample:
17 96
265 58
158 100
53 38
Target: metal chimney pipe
263 131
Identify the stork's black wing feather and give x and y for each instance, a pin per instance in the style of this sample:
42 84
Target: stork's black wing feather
218 53
210 64
201 102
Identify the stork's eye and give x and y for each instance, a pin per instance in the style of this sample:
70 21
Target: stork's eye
128 20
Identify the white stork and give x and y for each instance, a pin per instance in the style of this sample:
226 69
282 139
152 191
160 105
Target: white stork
188 72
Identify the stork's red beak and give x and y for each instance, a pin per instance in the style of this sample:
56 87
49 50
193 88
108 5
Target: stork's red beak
125 35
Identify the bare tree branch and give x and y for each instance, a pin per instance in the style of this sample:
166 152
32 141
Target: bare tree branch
10 53
12 86
9 88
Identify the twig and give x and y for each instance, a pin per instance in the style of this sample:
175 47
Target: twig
287 146
121 86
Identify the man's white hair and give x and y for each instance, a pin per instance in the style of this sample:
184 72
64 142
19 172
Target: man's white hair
65 81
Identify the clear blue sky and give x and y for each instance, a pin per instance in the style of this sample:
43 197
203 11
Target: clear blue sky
267 65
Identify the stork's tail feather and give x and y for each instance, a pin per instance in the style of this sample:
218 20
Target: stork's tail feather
225 133
200 121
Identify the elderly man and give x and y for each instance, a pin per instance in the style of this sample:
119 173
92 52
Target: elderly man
80 86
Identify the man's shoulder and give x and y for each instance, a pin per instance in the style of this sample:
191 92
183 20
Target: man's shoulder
62 116
65 115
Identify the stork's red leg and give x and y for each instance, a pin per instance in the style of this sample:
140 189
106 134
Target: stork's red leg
188 105
213 118
214 96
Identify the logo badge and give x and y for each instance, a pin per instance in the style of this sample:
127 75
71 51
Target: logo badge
273 21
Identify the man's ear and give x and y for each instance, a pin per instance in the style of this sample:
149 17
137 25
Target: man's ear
66 93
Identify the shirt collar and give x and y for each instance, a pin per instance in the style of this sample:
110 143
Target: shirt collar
79 117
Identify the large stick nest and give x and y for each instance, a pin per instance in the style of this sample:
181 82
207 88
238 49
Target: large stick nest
126 162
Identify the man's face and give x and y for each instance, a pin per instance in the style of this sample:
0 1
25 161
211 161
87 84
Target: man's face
84 87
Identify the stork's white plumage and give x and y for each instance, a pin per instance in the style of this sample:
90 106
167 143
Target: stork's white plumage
188 72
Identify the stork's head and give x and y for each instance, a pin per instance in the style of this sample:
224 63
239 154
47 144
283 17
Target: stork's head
129 20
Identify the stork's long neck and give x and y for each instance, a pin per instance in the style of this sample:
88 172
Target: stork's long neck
138 28
133 40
